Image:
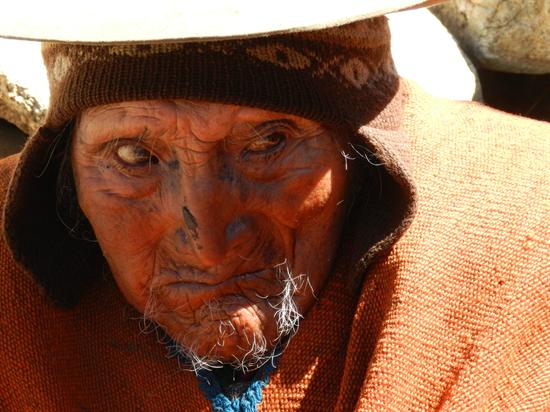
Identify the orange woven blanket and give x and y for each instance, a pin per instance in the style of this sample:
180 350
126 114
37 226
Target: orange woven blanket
455 317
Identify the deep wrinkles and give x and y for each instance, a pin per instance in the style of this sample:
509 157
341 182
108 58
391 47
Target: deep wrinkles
214 316
197 293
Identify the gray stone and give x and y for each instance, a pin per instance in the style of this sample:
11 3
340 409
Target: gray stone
24 89
503 35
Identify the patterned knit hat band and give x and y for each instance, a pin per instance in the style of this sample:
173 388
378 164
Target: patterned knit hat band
336 75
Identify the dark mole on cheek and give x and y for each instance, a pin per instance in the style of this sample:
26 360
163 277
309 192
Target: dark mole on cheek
190 221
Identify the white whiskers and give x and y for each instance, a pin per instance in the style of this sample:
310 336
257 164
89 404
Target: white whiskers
257 351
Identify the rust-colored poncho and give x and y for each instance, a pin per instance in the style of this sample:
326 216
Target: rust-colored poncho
455 317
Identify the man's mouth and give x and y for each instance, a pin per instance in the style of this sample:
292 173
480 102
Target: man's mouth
197 289
190 275
239 319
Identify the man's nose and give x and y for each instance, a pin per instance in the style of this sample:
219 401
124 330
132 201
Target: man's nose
215 220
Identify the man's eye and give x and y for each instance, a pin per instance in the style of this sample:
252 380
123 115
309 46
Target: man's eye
135 155
266 143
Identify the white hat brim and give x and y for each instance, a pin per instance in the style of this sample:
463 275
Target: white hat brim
122 21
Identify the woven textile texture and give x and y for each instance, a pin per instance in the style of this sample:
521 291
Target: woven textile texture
454 317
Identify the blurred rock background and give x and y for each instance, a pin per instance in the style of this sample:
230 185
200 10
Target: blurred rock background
494 51
509 43
24 93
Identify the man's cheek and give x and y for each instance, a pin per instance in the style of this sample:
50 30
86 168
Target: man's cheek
113 214
132 269
129 242
318 197
305 197
134 228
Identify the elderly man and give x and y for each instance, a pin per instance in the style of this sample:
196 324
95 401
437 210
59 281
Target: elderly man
248 201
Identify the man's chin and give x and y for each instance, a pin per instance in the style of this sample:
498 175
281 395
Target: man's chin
242 330
230 331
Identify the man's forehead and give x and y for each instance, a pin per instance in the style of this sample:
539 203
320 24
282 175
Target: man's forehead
196 117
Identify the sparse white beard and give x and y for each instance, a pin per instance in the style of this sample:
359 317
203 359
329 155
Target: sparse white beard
287 317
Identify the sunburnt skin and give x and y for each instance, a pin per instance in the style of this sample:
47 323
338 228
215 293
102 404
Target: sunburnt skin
200 208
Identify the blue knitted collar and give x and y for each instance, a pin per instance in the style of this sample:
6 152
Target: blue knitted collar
247 398
246 401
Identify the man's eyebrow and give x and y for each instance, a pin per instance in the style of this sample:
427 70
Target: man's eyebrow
142 135
138 136
272 123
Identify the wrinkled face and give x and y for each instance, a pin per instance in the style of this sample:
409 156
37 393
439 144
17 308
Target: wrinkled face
218 222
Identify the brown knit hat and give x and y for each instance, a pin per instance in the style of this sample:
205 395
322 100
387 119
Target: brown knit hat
340 76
